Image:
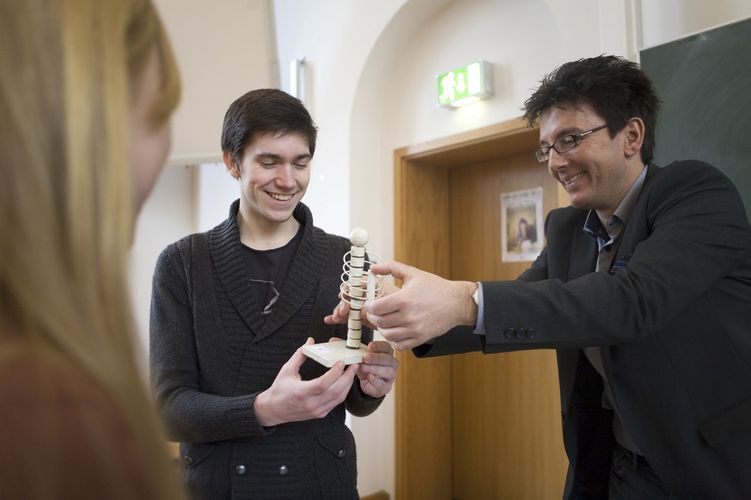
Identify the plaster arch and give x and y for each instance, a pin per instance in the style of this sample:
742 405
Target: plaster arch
394 103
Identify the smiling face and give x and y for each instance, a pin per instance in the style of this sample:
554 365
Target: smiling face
599 171
274 173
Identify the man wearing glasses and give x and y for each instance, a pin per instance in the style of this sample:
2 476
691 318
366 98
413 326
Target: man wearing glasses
644 289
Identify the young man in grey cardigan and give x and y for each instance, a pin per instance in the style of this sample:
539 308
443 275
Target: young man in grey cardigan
230 310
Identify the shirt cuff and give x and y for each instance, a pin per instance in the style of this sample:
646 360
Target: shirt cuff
480 323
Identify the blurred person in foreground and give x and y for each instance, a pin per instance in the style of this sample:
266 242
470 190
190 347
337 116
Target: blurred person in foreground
87 88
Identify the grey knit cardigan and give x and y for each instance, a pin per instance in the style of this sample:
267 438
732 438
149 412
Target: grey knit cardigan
211 354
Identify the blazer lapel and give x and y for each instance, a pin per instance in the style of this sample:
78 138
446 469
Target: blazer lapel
582 257
636 231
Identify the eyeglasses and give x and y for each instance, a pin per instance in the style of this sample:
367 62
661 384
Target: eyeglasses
564 144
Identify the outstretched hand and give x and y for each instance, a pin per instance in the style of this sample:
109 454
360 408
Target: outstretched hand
291 399
340 313
426 307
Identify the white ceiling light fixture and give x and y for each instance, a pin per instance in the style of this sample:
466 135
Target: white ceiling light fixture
297 78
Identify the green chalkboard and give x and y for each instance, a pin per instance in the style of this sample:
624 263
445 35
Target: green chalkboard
704 81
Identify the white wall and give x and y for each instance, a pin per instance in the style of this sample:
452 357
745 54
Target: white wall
223 50
168 215
667 20
334 37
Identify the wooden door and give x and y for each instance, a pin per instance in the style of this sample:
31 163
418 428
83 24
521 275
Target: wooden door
473 426
506 426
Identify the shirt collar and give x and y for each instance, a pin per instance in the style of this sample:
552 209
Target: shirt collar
593 226
626 207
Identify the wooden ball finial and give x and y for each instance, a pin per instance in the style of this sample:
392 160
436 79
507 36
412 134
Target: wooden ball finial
358 237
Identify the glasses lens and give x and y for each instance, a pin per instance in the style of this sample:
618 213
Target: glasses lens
566 143
542 154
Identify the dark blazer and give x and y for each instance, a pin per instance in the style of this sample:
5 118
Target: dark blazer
211 354
673 319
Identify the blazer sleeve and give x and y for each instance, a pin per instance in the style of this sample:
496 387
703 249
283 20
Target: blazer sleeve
189 414
689 232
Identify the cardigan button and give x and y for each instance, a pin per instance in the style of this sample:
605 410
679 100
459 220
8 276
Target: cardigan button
342 453
530 333
509 333
283 470
240 469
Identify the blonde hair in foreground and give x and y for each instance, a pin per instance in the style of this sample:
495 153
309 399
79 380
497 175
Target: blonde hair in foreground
66 217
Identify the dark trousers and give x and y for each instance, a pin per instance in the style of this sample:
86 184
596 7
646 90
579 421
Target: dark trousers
631 478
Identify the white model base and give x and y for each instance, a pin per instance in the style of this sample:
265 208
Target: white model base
329 353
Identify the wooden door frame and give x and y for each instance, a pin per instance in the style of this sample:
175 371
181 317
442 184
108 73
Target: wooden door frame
421 236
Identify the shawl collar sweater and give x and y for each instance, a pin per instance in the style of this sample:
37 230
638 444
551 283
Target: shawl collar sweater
212 354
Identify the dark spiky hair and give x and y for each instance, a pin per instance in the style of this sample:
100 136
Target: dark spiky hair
615 88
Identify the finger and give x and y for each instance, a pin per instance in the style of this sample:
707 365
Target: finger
383 385
386 305
322 384
380 346
339 315
336 377
337 392
331 319
342 310
396 319
369 388
379 359
335 339
393 268
366 320
294 363
401 338
334 319
373 319
398 335
407 343
389 288
375 387
380 371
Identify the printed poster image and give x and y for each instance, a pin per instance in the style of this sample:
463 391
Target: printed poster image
521 225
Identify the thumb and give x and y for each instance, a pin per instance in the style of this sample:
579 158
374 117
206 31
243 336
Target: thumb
296 361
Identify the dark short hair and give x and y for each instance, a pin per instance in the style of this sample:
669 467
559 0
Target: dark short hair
615 88
265 111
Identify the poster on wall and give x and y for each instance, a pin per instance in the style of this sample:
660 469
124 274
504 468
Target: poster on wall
521 225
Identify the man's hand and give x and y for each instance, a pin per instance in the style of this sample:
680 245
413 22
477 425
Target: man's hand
291 399
341 311
426 307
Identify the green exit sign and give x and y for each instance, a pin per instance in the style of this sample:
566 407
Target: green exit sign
465 85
